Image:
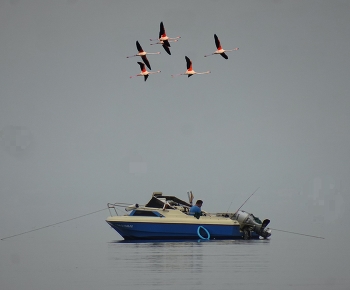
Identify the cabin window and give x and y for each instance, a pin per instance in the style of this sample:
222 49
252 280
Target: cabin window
145 213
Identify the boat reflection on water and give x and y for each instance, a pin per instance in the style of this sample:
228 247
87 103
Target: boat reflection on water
179 261
160 256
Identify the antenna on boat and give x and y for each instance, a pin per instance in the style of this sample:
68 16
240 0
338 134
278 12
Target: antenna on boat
229 207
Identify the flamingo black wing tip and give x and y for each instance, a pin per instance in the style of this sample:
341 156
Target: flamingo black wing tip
224 55
166 42
166 48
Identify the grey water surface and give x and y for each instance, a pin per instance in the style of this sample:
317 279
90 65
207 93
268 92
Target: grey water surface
74 257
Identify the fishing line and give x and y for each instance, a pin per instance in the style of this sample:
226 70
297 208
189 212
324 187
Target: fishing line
297 233
54 224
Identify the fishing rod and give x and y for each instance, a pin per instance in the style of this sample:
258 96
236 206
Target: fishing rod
247 199
243 202
54 224
267 221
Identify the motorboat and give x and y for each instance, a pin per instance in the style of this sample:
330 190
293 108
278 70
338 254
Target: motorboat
168 218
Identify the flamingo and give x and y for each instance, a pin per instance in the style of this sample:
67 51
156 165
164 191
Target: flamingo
164 37
144 71
143 53
165 46
190 71
220 50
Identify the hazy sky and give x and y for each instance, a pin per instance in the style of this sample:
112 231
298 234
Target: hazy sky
76 132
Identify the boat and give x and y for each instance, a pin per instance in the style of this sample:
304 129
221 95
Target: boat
168 218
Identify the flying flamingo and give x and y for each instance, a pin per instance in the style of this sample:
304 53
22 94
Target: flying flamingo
164 37
143 53
190 71
220 50
165 46
144 72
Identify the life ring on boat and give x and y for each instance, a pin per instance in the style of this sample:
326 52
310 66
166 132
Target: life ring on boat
206 231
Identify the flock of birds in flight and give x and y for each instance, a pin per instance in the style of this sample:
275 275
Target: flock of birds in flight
164 40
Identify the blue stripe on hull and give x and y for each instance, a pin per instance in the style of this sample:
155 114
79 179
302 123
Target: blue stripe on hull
161 231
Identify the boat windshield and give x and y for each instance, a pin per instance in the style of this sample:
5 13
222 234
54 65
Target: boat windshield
172 200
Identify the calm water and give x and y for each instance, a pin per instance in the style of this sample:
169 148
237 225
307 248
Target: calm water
75 257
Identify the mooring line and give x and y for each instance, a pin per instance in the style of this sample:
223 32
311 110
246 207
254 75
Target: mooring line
297 233
54 224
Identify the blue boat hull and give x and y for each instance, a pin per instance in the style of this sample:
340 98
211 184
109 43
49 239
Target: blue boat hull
171 231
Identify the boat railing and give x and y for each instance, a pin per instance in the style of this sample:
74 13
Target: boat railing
116 205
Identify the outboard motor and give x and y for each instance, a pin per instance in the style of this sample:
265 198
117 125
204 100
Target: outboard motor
249 223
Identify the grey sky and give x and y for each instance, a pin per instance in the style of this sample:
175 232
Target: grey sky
77 133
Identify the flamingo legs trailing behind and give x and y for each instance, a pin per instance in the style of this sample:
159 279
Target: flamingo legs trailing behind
143 53
144 71
190 71
220 50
